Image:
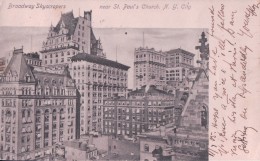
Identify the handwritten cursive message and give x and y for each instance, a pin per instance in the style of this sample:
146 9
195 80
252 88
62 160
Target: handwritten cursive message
231 34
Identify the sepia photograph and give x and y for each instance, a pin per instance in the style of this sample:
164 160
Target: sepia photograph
129 80
71 91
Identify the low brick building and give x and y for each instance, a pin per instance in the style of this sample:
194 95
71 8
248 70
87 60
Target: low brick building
143 110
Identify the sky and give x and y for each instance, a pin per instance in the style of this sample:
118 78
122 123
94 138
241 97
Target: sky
122 40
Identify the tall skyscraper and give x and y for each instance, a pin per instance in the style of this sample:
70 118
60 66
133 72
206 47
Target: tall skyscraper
149 68
72 43
178 64
97 79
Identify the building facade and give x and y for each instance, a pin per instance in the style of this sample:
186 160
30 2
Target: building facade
178 64
97 79
149 68
76 151
38 109
188 138
72 35
143 110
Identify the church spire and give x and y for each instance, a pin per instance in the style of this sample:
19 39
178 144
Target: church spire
204 50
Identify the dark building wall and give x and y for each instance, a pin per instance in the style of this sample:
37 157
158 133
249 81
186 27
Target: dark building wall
78 104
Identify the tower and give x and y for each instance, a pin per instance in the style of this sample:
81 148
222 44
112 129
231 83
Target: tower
204 51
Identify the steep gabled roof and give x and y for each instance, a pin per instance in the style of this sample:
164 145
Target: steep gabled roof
69 21
92 37
18 67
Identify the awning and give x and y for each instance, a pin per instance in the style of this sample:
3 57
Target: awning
8 129
60 151
6 147
24 120
38 135
23 149
29 129
36 154
29 119
8 119
62 115
28 157
39 127
23 130
47 152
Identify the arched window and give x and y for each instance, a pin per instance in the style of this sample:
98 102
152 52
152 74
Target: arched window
46 115
55 91
23 92
39 90
23 113
62 92
8 113
62 115
38 112
54 115
47 90
29 91
29 113
14 114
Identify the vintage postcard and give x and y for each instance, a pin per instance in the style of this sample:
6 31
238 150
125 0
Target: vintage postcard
136 80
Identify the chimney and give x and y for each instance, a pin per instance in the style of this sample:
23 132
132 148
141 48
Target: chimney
88 15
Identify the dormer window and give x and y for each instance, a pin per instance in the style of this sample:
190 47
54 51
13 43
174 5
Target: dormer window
27 78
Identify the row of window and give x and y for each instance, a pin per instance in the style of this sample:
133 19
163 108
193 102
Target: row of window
100 75
8 102
50 91
150 103
56 55
34 62
172 75
103 69
151 56
120 131
8 91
